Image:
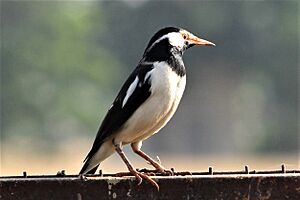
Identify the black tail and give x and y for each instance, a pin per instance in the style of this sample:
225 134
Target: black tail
85 166
96 146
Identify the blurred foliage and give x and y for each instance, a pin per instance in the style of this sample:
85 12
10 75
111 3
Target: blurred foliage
51 70
63 62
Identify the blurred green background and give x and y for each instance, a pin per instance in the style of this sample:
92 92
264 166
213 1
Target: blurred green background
63 62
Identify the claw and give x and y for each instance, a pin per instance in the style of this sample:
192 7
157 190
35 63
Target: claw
150 180
168 172
164 171
138 178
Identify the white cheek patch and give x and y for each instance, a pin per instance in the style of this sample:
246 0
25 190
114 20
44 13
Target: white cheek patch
130 90
176 40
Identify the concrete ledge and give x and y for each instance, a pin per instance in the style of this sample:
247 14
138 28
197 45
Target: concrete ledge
233 186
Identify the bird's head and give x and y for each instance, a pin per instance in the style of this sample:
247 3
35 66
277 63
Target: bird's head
171 40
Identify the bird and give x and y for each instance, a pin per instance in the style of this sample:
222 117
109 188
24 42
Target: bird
146 102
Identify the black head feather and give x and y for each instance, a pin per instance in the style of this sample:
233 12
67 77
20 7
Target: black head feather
160 33
164 51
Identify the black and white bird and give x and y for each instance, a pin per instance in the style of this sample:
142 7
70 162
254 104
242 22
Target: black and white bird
146 102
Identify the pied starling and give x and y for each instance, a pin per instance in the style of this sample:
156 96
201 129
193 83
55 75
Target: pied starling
146 102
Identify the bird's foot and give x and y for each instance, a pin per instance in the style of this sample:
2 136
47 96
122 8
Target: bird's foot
139 177
164 171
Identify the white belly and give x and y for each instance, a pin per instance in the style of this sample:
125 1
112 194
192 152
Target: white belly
166 91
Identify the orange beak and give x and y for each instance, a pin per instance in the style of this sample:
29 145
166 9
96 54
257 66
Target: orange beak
192 39
198 41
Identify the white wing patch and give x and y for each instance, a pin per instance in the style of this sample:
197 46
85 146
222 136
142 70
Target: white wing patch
130 90
147 75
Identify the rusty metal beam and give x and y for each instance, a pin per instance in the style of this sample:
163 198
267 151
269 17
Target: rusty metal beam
235 186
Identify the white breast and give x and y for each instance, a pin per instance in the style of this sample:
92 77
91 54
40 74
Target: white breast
166 92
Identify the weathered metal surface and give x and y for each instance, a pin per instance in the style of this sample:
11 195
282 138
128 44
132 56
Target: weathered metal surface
277 185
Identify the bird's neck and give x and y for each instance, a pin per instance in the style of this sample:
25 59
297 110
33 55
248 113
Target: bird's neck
176 62
171 55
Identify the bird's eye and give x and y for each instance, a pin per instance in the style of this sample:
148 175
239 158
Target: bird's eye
184 36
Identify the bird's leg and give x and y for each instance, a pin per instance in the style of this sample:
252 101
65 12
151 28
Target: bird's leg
137 174
136 147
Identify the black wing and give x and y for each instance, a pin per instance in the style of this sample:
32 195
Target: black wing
118 115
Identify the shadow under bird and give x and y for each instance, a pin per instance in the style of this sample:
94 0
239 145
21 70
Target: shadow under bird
146 102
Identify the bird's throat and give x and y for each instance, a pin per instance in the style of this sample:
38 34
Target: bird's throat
176 63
